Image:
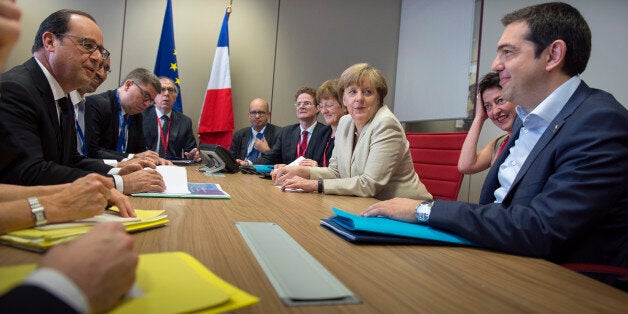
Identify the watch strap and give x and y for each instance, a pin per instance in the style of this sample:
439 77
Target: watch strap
38 211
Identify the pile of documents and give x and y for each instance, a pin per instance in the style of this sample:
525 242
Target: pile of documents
41 238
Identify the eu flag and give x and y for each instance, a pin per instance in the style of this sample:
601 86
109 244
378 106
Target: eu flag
166 64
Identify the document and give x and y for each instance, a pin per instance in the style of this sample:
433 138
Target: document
41 238
175 178
195 190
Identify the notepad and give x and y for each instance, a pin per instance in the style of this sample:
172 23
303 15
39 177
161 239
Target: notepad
172 282
356 228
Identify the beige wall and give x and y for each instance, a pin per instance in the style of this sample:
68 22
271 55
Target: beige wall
276 46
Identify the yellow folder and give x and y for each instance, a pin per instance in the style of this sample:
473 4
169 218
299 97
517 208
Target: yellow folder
172 282
39 240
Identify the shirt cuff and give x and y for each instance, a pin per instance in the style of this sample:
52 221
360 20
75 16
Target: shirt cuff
128 157
119 183
110 162
61 286
113 171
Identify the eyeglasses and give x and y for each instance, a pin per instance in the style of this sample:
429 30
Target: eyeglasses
303 103
90 45
170 90
257 113
145 95
327 105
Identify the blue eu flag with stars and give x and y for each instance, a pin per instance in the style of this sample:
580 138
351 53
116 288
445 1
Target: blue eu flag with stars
166 64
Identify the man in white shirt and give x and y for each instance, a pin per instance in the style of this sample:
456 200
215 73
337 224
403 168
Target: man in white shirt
558 191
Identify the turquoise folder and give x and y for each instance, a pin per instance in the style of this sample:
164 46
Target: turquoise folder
385 226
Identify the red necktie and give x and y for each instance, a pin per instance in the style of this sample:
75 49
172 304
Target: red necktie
303 145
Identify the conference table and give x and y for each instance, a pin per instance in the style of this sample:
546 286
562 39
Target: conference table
386 278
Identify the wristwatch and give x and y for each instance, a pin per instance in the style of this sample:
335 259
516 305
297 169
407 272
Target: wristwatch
38 211
423 211
320 186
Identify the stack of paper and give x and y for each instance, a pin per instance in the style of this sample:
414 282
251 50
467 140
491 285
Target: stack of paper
172 282
41 238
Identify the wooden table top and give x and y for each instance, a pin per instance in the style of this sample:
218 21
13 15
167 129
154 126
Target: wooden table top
386 278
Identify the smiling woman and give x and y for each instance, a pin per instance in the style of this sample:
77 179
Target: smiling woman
371 157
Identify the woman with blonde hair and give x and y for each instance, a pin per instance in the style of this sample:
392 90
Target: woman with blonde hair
371 157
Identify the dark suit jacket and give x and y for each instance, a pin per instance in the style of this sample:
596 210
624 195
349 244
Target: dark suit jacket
102 124
29 113
285 149
241 138
181 134
32 299
569 201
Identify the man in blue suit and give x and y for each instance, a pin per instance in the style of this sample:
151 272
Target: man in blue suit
558 191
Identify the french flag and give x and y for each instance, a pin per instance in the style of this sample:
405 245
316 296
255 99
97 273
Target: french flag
216 121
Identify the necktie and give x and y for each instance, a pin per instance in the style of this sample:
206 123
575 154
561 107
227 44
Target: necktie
254 152
66 120
164 136
303 145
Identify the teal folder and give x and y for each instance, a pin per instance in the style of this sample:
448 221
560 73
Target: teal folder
375 229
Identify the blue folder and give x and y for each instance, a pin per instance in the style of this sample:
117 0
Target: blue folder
383 230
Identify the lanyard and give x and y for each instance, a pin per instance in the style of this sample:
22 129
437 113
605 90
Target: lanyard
123 120
164 140
80 133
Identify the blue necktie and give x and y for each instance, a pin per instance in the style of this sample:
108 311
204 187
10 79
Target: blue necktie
254 152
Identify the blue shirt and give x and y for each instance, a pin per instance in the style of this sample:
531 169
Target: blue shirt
534 124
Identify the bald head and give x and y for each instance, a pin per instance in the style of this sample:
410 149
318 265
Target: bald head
259 112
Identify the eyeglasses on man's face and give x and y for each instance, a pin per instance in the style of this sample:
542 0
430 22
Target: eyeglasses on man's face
257 113
303 103
169 89
90 45
145 95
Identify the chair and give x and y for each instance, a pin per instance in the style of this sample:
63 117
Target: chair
435 158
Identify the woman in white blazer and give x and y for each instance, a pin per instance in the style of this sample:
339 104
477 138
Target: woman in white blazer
371 157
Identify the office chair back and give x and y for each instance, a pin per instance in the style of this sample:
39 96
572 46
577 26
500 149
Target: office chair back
435 157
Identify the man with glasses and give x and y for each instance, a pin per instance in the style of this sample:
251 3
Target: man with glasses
255 141
68 50
113 119
169 132
305 139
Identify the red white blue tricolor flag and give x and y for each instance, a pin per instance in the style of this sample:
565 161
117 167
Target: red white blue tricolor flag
166 64
216 121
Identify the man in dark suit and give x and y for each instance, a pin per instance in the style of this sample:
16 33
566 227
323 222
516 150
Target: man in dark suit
113 119
558 190
255 141
77 277
36 109
305 139
168 131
